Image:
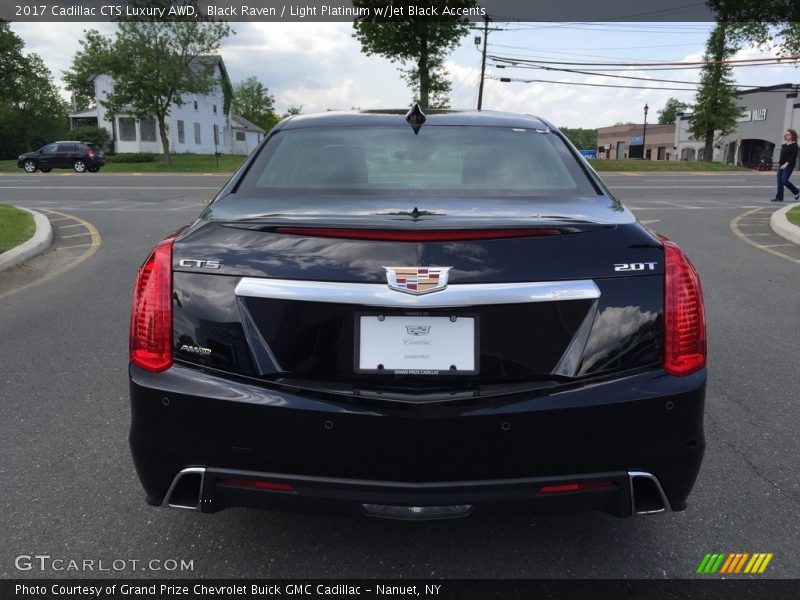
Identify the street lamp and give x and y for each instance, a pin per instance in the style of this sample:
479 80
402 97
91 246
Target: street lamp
644 133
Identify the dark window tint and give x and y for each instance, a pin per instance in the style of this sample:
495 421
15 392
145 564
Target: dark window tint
457 160
127 129
67 148
147 129
49 149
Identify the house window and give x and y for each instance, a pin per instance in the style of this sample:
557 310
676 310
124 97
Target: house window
197 133
216 135
181 133
195 104
147 130
215 109
240 136
127 129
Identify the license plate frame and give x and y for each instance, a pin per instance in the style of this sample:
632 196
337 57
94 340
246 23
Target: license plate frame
448 347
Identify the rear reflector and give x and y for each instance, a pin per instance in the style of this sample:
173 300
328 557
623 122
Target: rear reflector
393 235
684 315
580 486
151 315
257 484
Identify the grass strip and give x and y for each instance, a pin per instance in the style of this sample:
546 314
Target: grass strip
16 226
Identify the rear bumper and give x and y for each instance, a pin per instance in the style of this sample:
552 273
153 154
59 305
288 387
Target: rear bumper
490 455
211 490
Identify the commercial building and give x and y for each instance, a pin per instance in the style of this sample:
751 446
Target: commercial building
633 141
767 112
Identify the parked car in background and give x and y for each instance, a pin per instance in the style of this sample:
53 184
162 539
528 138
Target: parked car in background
79 156
418 317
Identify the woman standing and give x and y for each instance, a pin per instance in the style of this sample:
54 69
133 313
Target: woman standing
786 164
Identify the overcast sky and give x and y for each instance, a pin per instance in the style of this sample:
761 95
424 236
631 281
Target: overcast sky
319 66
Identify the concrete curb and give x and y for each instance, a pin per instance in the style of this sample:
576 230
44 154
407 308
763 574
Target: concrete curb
41 240
781 225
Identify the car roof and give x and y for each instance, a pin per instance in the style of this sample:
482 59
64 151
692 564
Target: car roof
474 118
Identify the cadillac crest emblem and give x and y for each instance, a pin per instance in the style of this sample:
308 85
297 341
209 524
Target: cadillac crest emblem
417 280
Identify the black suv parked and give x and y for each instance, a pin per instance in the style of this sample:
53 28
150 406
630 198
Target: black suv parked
63 155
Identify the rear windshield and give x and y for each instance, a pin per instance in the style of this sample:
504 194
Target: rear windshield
442 160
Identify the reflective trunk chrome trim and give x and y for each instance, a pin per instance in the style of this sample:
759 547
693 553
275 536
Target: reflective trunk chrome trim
376 294
201 471
654 480
571 359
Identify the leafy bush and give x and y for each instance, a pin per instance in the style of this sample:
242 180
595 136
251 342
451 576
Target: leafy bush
132 157
92 135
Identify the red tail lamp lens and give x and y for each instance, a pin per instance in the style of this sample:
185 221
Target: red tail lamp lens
579 486
151 315
258 484
684 316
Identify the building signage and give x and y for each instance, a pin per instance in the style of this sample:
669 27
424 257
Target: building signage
754 114
636 139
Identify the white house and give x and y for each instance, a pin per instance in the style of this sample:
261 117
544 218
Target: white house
246 135
198 125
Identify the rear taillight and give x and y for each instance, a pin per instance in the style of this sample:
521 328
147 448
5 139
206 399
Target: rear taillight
151 315
684 316
90 154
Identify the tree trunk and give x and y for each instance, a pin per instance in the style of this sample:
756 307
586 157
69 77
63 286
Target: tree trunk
719 56
424 73
162 130
708 151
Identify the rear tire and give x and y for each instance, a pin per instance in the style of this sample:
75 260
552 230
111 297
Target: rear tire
79 166
29 166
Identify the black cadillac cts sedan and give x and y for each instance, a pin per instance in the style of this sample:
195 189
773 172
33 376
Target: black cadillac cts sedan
417 316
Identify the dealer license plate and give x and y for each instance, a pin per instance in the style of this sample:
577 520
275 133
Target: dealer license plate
408 345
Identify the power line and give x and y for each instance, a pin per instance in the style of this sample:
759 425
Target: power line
604 85
579 72
774 60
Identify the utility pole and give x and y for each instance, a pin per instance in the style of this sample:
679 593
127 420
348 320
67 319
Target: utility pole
483 60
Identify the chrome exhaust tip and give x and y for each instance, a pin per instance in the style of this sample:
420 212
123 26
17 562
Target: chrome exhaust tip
186 489
647 495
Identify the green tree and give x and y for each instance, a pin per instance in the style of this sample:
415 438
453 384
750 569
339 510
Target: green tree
419 43
12 62
156 62
94 58
773 24
36 113
715 107
672 108
253 101
153 63
583 139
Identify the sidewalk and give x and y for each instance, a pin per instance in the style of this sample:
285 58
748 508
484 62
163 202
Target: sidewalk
781 225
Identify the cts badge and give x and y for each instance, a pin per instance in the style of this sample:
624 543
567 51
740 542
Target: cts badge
199 264
417 280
